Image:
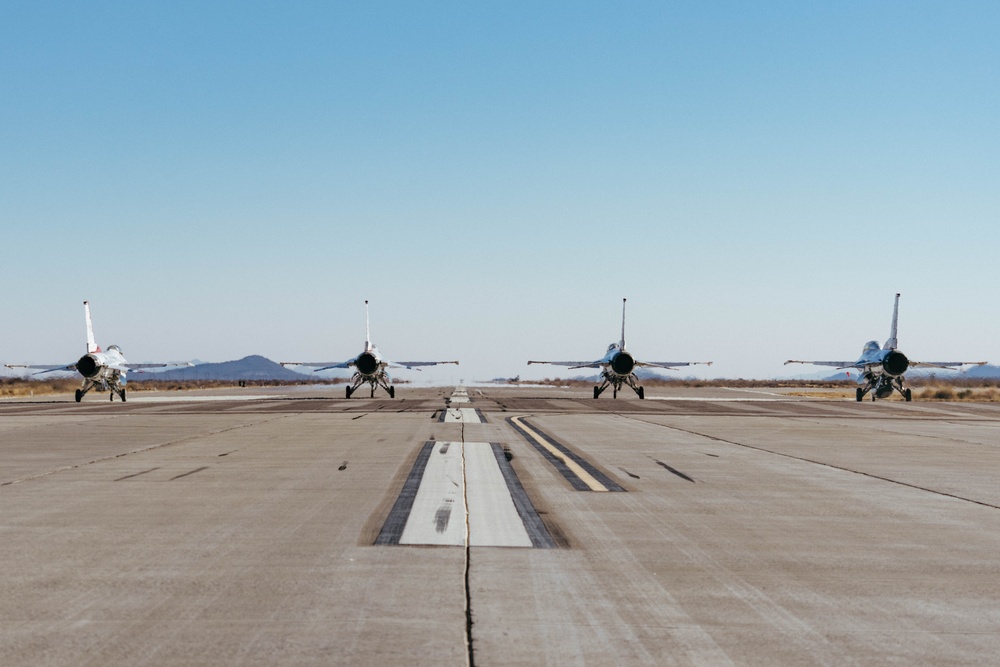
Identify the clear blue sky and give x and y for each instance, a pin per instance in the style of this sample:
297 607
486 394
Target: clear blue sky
223 179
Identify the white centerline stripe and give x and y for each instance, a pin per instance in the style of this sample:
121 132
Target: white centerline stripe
462 415
439 511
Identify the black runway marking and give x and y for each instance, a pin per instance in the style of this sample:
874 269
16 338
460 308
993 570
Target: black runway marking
343 466
136 474
630 474
560 465
392 529
537 532
227 453
482 417
439 415
673 470
189 473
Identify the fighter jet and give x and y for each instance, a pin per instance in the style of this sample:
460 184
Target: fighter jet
617 366
101 370
370 366
881 369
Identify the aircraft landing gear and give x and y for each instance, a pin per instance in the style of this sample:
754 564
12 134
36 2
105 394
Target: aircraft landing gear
861 394
373 391
392 392
79 395
123 395
348 391
641 392
907 395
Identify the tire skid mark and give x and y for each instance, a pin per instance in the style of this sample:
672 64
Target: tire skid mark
136 474
190 472
671 469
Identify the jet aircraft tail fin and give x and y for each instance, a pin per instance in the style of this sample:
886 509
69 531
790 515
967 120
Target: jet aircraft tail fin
623 324
892 344
91 343
368 335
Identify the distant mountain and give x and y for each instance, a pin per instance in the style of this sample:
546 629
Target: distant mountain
254 367
987 371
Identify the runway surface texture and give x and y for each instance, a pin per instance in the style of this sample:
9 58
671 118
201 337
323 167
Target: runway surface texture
498 526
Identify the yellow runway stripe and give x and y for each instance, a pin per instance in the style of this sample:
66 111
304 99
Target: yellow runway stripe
585 476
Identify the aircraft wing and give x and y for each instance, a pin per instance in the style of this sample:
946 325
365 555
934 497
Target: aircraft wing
672 364
949 365
320 365
412 364
573 364
833 364
46 368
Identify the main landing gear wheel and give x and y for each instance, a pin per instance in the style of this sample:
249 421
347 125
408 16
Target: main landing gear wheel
392 392
597 392
123 396
348 392
861 394
642 394
907 396
614 393
79 395
111 395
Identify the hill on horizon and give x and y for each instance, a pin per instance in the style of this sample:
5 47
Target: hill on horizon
987 371
253 367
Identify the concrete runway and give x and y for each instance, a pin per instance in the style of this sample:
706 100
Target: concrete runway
697 527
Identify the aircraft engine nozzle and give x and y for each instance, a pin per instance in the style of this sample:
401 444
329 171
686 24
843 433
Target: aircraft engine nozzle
367 363
895 363
88 366
623 363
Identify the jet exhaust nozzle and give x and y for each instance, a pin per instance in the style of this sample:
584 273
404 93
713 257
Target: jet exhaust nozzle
623 363
88 366
895 363
367 363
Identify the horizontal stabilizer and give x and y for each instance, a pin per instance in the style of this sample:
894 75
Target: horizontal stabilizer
140 368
